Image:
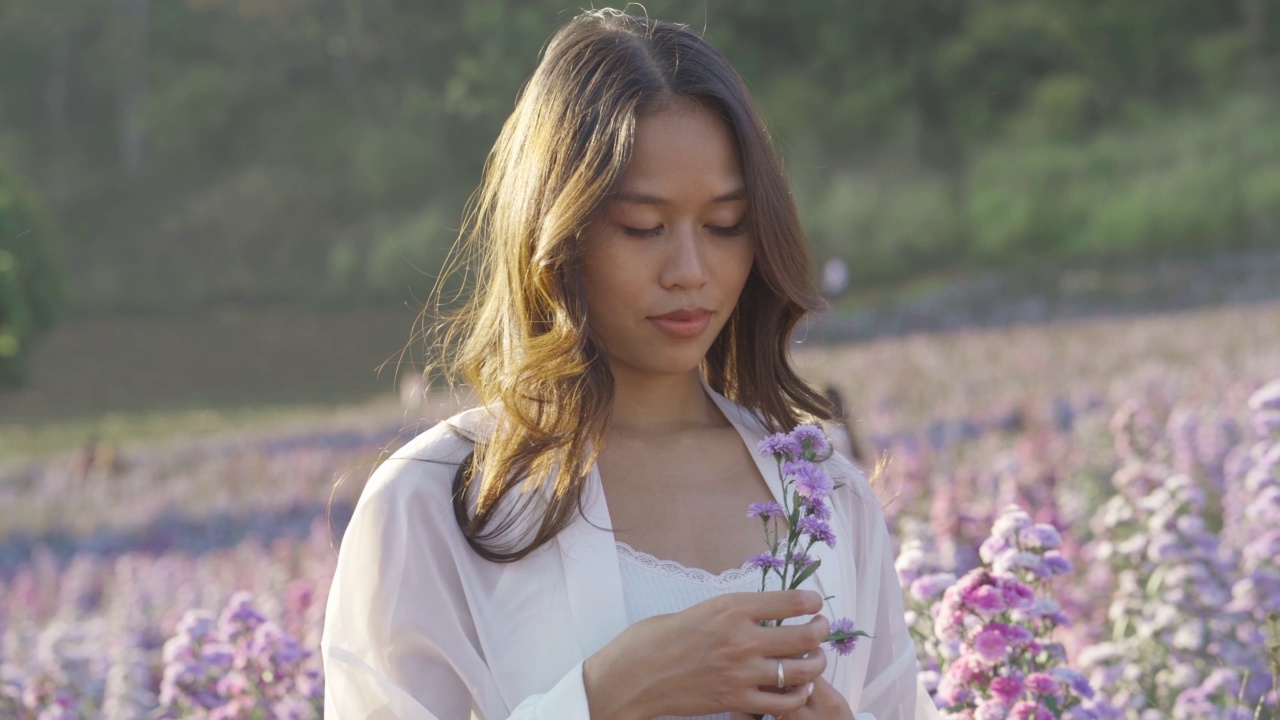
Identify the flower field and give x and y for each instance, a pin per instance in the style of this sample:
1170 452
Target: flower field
189 580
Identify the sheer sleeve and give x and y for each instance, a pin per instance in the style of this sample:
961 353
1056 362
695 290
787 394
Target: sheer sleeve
891 689
399 638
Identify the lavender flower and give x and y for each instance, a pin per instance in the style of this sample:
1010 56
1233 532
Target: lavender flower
766 562
805 487
845 638
816 529
812 439
779 445
769 510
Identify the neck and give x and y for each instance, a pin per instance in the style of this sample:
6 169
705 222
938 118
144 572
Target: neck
655 405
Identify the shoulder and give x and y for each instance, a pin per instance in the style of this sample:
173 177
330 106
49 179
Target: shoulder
852 479
421 472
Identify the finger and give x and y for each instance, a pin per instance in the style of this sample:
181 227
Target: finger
777 704
779 604
791 640
795 671
826 701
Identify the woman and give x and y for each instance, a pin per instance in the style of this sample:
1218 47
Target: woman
574 548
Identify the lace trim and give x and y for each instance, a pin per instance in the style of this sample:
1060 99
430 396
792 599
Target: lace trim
733 577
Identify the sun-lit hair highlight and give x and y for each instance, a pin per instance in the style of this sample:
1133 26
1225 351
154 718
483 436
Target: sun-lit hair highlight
520 338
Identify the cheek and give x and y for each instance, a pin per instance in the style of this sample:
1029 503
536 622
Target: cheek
739 264
606 284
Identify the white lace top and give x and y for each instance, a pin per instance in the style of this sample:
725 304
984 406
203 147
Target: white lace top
652 586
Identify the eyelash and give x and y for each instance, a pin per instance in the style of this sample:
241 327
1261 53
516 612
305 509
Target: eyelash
723 231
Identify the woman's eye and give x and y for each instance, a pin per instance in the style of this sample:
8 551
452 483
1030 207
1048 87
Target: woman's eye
642 232
729 230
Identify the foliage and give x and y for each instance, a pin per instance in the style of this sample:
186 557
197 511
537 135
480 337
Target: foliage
33 291
386 109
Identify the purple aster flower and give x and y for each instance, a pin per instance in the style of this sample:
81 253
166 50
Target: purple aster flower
930 586
817 529
1029 711
766 561
1042 684
232 684
791 469
952 693
986 600
801 560
196 624
813 482
1012 520
292 708
1007 689
1017 594
990 644
779 446
1075 680
1041 536
1266 397
813 437
218 655
240 615
843 646
1017 635
766 510
816 507
1056 564
967 670
990 709
1011 560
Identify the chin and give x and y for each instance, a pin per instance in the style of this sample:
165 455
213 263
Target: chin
668 365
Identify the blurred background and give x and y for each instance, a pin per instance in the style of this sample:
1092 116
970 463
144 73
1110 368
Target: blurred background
1049 231
231 205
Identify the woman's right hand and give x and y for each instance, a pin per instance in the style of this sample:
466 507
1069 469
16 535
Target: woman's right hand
713 657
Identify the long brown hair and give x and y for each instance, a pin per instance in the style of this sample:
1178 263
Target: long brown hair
521 340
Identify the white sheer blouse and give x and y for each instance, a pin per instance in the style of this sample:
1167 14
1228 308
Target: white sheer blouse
419 627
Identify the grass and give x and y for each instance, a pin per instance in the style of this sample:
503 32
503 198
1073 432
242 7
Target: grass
21 442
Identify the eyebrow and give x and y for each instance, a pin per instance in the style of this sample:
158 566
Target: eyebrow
637 198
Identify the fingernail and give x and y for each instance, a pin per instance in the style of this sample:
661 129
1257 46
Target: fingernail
810 688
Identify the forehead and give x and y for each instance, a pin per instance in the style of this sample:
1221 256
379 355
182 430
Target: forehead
683 152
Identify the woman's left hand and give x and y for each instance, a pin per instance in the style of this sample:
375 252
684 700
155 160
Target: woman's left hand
824 704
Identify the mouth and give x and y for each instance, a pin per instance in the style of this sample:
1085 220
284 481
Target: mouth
682 324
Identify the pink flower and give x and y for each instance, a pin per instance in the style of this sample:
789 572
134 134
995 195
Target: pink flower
1042 684
926 588
1029 711
1017 635
966 670
1007 689
990 710
1017 594
986 600
990 644
953 693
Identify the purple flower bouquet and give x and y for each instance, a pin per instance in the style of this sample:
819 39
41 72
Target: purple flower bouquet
805 488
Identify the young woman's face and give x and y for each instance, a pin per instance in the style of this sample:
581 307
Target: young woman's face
667 260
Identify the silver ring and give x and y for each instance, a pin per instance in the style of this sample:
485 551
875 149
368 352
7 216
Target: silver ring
781 684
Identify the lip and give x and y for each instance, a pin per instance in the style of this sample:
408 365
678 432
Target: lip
682 324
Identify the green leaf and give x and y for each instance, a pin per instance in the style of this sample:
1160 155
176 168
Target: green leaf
804 575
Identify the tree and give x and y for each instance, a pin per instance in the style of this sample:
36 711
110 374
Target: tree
33 291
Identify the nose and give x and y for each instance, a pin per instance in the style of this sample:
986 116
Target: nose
685 267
